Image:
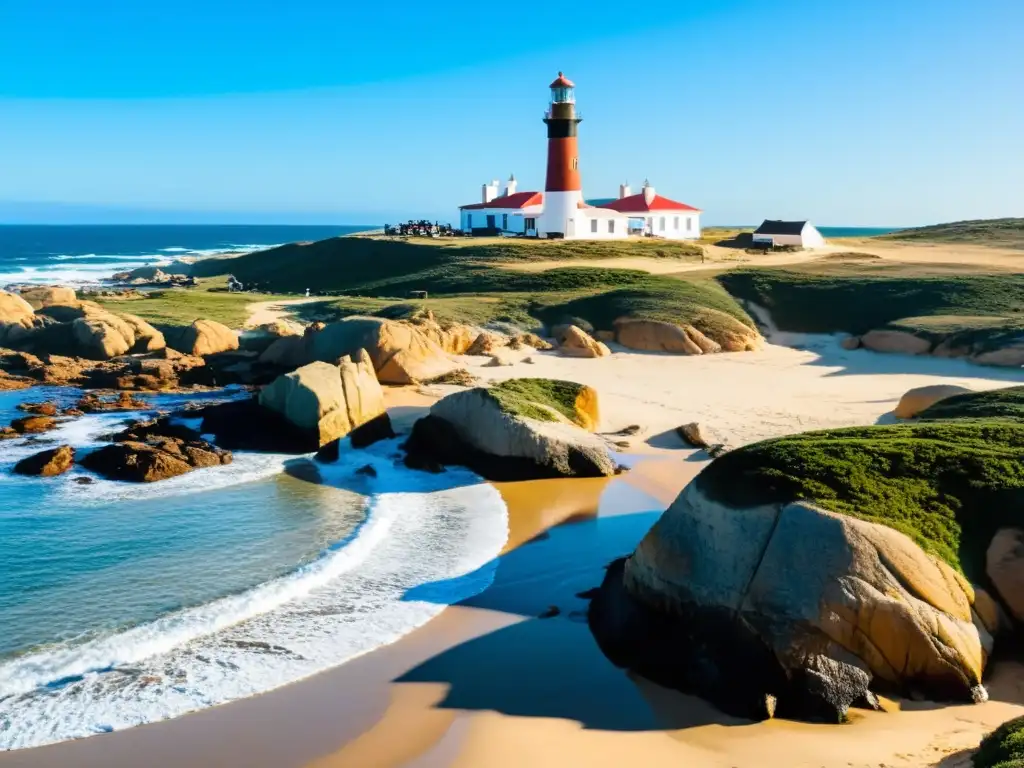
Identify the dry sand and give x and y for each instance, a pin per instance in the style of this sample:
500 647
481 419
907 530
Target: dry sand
489 684
266 312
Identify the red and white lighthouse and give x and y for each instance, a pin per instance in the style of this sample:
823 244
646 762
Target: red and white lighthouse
563 191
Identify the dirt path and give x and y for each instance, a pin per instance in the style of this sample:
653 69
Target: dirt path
263 312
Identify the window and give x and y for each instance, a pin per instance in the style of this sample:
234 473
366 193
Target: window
611 226
469 221
689 224
650 223
675 224
575 163
504 221
661 224
593 225
531 224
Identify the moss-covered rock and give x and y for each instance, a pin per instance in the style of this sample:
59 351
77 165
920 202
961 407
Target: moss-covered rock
519 429
1003 748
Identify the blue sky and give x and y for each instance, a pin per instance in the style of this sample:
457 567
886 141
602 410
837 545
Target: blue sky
868 113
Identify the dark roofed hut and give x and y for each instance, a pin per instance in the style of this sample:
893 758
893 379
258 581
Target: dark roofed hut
801 234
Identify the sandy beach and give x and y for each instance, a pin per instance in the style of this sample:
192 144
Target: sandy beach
492 683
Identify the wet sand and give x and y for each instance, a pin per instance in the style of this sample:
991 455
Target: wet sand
489 683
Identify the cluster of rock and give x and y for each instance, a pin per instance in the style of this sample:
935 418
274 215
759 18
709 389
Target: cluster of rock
579 339
153 276
1009 353
476 430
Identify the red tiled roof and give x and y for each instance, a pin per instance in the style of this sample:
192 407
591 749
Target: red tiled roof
638 204
562 82
518 200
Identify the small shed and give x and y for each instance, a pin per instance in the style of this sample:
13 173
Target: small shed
802 234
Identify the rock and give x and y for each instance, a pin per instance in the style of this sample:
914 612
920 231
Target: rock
486 344
605 336
921 398
45 296
147 338
850 342
327 401
1004 564
954 346
125 401
733 605
455 339
657 336
17 318
159 459
501 357
33 425
471 428
288 352
262 337
102 335
10 383
401 352
899 342
48 463
700 436
559 330
577 343
49 408
1011 356
245 425
203 338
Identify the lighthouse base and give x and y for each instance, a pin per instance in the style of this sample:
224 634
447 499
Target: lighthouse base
561 217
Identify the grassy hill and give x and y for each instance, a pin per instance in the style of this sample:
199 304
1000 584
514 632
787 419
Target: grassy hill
1005 233
377 266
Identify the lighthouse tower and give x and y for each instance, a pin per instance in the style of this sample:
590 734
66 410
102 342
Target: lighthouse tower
563 192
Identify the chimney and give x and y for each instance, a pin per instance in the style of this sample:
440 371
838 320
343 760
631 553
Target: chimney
490 191
648 192
624 190
510 186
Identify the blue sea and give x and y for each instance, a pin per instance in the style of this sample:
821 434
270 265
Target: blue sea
86 254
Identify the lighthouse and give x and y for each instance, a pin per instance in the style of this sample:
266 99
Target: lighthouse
563 191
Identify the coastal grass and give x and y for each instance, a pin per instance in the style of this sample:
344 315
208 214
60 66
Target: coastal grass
861 297
1003 748
1004 233
949 481
182 306
380 266
523 397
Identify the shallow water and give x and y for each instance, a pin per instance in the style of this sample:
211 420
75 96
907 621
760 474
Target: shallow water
123 604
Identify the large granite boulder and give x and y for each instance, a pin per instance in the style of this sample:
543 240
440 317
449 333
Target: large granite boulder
921 398
147 338
1004 564
899 342
203 338
801 575
17 318
101 336
1009 356
327 401
401 352
287 352
262 337
49 463
578 343
523 428
45 296
658 336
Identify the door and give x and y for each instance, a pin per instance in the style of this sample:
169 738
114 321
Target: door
570 228
490 222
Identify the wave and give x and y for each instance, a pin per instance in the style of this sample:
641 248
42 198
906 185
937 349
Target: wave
443 530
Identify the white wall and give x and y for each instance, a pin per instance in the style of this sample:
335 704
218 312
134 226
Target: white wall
675 224
812 237
585 225
516 218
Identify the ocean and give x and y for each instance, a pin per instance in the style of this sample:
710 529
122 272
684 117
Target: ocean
122 605
85 254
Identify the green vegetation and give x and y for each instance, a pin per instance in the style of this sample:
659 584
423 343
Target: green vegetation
374 266
520 397
667 299
996 403
948 482
1006 233
1003 748
861 297
180 306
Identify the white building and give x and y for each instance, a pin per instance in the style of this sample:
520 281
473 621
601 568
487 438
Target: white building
560 210
651 214
802 234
